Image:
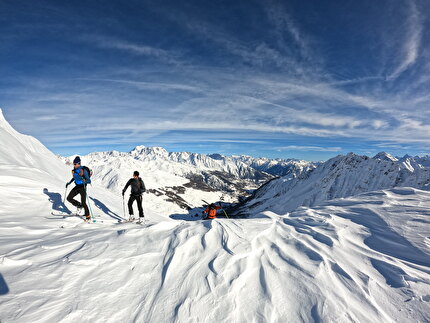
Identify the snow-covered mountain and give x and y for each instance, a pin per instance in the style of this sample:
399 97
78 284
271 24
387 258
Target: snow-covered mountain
339 177
184 180
18 151
33 179
360 259
277 167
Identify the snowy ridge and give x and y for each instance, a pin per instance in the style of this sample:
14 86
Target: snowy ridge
277 167
179 182
341 176
358 259
245 167
170 189
25 151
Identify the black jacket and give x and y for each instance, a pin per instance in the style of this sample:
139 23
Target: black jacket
137 186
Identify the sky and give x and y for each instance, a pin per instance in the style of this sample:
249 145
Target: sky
279 79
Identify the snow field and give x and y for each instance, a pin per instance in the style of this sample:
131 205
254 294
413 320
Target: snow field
364 258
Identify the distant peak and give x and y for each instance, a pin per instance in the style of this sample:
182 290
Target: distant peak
384 156
216 156
148 150
138 148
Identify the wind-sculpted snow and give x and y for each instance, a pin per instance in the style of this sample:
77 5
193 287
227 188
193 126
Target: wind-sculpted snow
351 261
338 177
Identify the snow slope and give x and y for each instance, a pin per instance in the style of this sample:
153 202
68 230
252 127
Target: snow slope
363 259
172 187
33 179
359 259
341 176
178 183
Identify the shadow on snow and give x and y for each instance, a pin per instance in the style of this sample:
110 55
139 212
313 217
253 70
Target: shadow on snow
57 201
105 209
3 286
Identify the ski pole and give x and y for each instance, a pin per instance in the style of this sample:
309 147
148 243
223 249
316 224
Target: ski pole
89 205
64 197
123 205
225 214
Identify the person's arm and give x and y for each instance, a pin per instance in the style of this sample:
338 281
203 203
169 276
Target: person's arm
86 176
126 186
142 185
70 182
218 207
206 211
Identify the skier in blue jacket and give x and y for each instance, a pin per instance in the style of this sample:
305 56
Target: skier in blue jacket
81 179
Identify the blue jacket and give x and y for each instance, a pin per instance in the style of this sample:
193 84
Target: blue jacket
81 176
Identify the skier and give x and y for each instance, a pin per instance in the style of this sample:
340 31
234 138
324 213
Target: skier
81 177
137 189
211 211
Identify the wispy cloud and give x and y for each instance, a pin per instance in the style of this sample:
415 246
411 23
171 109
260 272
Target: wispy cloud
258 53
286 25
160 54
47 118
411 46
159 86
309 148
219 85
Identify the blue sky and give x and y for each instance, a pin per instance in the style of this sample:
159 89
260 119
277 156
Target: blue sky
288 79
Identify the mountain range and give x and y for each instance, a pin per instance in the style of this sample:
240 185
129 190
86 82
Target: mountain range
346 240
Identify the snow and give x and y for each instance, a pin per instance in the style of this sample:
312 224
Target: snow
365 258
341 176
179 182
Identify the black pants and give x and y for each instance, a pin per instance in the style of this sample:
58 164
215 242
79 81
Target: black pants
79 189
138 199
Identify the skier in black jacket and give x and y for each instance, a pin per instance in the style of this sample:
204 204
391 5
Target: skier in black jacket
137 189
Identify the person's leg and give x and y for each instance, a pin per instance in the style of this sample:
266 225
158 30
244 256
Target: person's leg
130 205
139 206
71 196
83 193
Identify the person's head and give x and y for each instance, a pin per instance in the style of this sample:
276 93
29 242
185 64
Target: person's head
77 162
136 174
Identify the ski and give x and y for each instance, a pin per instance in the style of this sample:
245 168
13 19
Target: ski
136 221
127 220
70 215
66 215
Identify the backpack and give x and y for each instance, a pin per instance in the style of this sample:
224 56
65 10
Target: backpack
141 186
89 171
